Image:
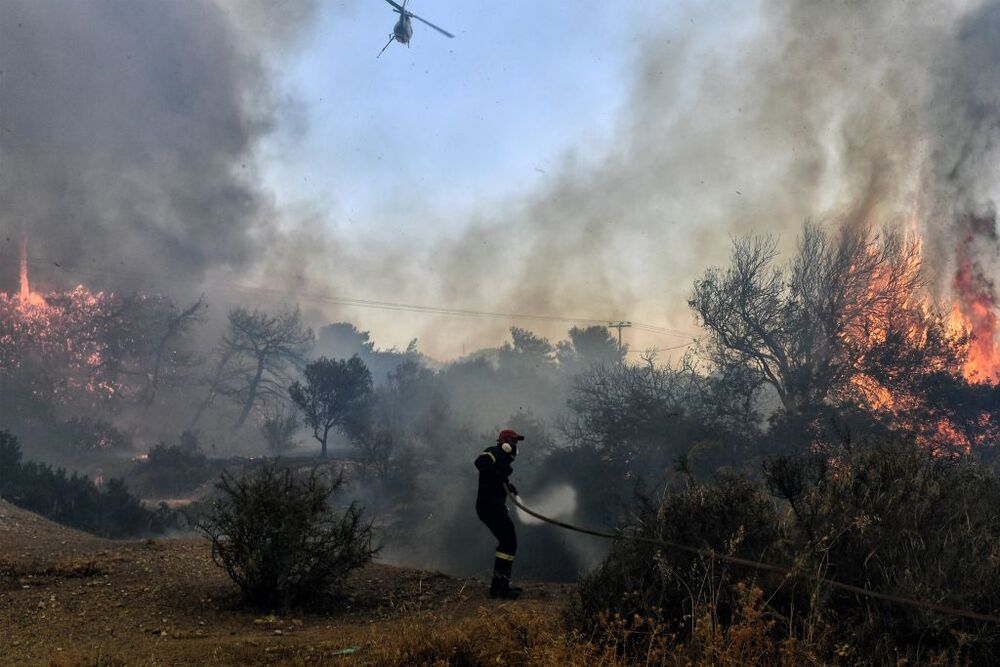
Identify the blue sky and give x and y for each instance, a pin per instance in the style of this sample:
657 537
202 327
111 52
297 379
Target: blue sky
448 124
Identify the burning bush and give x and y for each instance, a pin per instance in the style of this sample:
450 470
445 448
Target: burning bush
882 515
280 540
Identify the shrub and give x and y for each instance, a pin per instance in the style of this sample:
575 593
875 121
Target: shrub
278 427
174 468
280 540
649 587
73 500
899 519
879 514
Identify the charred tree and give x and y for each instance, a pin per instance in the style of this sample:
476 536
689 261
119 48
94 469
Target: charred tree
167 358
257 355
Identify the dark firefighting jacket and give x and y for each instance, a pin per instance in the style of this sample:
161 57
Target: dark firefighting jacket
495 469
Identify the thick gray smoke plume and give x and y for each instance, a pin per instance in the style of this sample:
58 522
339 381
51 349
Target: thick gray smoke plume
127 130
127 135
756 118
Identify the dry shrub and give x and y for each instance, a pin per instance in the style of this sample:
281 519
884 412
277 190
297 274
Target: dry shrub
280 539
902 520
883 515
646 588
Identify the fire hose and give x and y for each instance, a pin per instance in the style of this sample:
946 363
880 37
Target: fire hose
757 565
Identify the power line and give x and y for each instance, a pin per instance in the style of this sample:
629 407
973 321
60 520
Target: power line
38 263
619 325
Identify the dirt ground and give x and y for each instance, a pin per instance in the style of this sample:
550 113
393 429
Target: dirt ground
67 598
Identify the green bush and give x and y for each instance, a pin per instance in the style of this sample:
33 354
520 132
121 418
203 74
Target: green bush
173 469
279 538
74 500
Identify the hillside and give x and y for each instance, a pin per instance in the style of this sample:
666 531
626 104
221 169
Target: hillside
69 598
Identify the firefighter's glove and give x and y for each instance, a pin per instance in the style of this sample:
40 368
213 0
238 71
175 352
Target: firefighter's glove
512 489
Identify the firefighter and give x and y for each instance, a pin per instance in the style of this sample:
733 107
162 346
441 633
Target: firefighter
494 466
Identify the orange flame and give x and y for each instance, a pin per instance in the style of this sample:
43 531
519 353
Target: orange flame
25 287
976 309
26 296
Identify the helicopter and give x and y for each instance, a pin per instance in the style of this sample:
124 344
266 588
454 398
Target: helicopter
403 29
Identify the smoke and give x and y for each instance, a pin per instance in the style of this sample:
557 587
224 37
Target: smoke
129 129
128 135
846 112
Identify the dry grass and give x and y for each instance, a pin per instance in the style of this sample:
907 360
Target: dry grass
497 635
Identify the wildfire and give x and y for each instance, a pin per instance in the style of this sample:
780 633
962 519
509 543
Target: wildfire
61 330
975 308
26 296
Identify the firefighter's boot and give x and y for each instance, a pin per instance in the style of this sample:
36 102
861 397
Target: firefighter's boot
500 586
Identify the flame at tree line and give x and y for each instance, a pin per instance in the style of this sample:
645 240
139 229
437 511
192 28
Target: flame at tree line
38 332
94 338
78 346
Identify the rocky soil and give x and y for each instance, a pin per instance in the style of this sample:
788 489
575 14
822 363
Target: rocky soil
68 598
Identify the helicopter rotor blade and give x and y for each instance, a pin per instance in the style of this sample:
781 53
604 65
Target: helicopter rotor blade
398 7
426 22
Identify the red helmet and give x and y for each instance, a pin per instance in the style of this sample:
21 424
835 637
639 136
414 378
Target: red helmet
510 436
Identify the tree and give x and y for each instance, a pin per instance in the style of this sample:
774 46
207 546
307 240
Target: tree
257 354
629 414
840 322
166 357
335 395
588 347
526 352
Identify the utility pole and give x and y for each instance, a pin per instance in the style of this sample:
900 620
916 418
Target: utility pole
619 325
